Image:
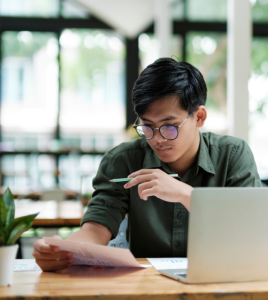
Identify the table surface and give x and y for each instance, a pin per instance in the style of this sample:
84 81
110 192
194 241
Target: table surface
81 282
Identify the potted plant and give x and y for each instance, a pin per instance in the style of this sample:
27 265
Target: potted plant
10 230
85 199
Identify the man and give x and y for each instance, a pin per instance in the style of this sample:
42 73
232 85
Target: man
169 99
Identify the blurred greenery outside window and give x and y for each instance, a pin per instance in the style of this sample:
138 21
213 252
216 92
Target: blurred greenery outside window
196 10
258 104
30 8
29 84
92 90
259 10
206 10
29 80
91 62
72 9
92 110
149 49
211 10
208 52
177 10
43 8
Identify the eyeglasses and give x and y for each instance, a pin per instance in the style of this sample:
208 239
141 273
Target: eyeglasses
168 132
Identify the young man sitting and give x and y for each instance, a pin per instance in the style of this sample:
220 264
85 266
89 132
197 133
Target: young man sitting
169 99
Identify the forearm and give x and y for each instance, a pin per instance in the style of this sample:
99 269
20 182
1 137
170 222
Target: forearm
185 198
92 232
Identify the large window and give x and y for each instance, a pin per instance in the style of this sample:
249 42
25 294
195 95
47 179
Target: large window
206 10
92 88
258 91
149 49
66 84
29 88
30 8
207 51
62 94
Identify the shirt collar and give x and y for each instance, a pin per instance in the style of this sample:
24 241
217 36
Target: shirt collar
151 160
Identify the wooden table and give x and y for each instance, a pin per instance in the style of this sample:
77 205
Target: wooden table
81 282
57 222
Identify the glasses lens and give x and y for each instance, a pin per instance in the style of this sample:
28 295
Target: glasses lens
169 132
145 132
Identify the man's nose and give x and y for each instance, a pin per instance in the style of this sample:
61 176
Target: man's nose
158 136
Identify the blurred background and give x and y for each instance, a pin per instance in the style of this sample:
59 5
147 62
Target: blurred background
67 75
67 71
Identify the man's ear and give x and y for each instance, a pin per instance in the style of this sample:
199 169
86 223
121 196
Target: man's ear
200 116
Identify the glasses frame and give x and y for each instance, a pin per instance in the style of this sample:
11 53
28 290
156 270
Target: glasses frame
153 129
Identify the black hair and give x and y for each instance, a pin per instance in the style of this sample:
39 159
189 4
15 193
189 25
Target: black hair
167 77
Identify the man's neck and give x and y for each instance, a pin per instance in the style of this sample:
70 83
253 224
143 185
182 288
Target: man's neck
183 164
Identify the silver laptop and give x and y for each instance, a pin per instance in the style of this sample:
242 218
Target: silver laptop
227 237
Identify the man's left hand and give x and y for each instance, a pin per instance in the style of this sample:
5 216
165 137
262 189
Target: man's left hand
155 182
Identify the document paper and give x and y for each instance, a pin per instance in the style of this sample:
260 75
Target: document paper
169 263
96 255
25 265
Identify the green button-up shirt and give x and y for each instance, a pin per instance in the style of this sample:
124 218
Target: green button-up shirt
157 228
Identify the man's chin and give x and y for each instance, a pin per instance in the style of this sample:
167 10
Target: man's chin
166 159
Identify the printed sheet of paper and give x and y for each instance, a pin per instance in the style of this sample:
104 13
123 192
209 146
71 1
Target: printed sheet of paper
25 265
96 255
169 263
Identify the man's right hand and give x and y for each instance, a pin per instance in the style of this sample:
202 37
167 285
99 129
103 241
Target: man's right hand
49 258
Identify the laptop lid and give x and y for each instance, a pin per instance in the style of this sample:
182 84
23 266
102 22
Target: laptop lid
228 235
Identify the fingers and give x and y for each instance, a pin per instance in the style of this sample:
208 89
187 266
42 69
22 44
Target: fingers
41 246
138 179
143 176
57 237
52 256
144 186
49 258
54 265
143 172
147 193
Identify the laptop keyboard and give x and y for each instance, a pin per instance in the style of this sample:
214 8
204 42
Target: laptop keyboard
181 275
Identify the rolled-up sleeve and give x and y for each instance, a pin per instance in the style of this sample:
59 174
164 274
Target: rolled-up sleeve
110 201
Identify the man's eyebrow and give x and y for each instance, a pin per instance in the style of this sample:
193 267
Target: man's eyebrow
162 120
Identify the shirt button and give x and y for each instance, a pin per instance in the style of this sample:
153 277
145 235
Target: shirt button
178 244
179 215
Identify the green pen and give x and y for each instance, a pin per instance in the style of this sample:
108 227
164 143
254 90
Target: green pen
128 179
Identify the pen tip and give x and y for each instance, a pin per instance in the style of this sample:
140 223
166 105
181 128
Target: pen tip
111 180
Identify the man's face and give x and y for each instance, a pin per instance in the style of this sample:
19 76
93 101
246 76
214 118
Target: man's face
168 111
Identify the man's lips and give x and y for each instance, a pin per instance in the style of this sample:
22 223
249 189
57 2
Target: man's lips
163 149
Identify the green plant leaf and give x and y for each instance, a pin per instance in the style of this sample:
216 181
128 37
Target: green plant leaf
3 214
17 227
2 238
17 232
10 206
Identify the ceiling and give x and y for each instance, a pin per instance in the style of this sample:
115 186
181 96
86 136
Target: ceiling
126 16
